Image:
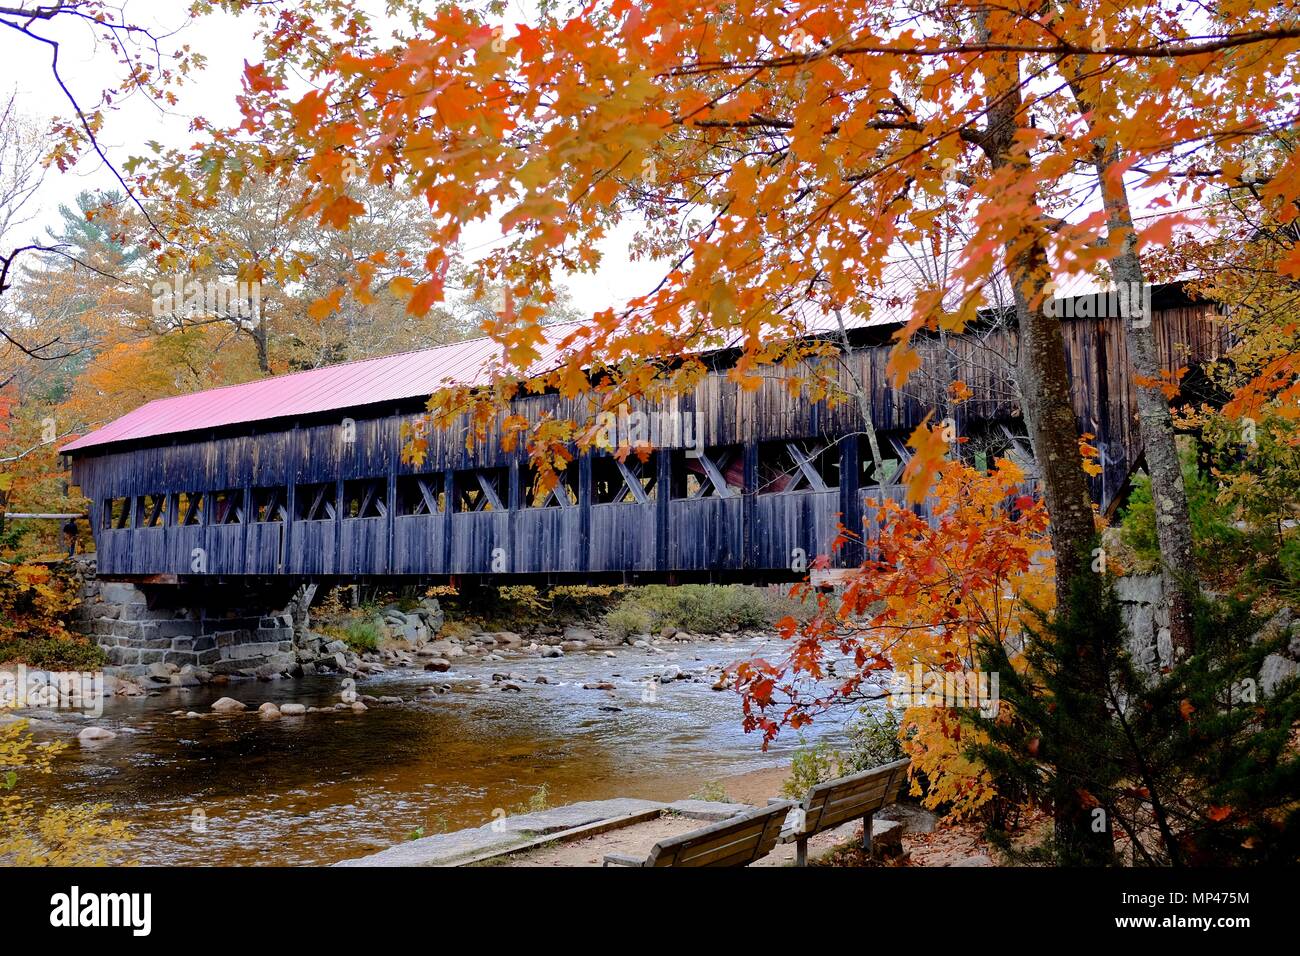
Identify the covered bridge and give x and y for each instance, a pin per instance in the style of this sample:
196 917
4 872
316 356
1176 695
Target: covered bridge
301 476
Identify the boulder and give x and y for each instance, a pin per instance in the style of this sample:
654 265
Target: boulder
228 705
598 685
1274 671
160 672
573 645
886 839
438 664
269 711
293 710
95 735
552 651
511 686
579 634
358 707
431 611
914 819
670 673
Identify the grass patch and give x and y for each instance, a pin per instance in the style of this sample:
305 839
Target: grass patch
715 791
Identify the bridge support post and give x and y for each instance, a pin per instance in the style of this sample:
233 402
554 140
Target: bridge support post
853 553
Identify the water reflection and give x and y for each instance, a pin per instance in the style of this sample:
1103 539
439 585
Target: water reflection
324 787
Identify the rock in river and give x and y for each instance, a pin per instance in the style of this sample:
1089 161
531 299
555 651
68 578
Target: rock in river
95 735
228 705
293 710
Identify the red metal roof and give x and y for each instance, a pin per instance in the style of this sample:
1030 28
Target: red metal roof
390 378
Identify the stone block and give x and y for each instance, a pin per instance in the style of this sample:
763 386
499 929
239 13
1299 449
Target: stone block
113 592
123 656
179 628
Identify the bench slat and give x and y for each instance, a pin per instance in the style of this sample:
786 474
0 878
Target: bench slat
734 842
831 803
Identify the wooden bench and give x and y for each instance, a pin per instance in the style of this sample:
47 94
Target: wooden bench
857 796
735 842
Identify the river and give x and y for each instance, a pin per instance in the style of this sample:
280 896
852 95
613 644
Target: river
329 786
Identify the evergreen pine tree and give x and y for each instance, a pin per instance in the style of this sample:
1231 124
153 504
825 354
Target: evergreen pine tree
1191 766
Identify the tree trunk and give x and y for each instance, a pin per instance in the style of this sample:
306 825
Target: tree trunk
263 356
1049 415
1049 412
1155 424
1044 379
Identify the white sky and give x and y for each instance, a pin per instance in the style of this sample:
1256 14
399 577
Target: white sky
226 41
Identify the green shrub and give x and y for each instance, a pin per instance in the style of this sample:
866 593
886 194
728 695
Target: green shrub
1289 557
628 619
584 600
873 742
1214 535
53 653
700 608
361 635
809 767
715 791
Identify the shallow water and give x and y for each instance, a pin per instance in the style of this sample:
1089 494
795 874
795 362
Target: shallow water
326 787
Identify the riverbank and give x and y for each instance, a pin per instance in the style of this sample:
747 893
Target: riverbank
433 752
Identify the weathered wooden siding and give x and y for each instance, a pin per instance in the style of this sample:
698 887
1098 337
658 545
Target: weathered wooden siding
745 530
